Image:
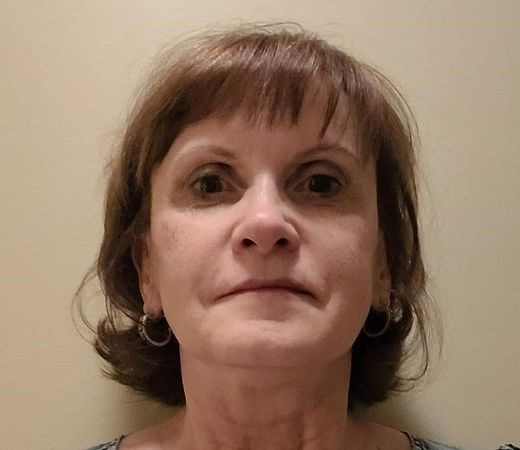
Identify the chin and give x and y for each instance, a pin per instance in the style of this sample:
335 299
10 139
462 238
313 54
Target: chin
263 343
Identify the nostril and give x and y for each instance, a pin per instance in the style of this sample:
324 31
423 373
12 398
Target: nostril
248 242
282 242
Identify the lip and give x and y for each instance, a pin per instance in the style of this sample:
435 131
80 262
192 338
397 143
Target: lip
259 285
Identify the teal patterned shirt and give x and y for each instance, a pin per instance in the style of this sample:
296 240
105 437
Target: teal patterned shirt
416 444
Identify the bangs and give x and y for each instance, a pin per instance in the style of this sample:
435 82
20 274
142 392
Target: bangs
269 77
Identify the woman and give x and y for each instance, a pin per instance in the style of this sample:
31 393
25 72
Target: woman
261 239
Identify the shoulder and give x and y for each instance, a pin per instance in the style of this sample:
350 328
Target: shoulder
152 438
383 437
111 445
427 444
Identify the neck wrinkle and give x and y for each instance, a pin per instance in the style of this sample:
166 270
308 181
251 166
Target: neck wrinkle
304 411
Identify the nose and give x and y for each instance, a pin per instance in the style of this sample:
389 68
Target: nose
263 227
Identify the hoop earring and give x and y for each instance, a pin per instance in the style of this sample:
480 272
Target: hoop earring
377 322
143 332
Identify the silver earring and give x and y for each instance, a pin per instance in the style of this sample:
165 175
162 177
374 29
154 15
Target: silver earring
141 327
377 322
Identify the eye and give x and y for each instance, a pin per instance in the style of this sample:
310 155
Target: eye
209 184
323 184
320 185
319 179
212 182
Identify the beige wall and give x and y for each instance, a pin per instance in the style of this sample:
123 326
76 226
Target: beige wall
67 72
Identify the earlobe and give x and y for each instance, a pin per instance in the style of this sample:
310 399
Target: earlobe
382 278
141 261
139 253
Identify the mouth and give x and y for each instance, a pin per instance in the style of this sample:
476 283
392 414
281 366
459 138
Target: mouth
270 286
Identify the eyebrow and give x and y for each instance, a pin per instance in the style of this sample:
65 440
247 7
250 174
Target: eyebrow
210 148
232 155
323 147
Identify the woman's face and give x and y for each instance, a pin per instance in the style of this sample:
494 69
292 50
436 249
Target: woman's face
263 245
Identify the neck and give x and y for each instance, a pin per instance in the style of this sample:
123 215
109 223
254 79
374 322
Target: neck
234 407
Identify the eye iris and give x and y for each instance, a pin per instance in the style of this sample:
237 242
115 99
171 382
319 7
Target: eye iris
210 184
320 183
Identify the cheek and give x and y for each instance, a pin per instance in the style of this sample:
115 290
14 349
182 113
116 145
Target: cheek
348 267
170 259
177 243
165 238
351 291
183 256
350 249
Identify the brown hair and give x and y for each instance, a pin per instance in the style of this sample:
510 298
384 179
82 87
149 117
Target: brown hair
267 70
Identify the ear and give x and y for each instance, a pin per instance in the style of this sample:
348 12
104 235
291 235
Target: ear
143 266
382 281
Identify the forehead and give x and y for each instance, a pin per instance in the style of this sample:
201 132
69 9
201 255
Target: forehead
258 146
279 140
313 121
257 149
